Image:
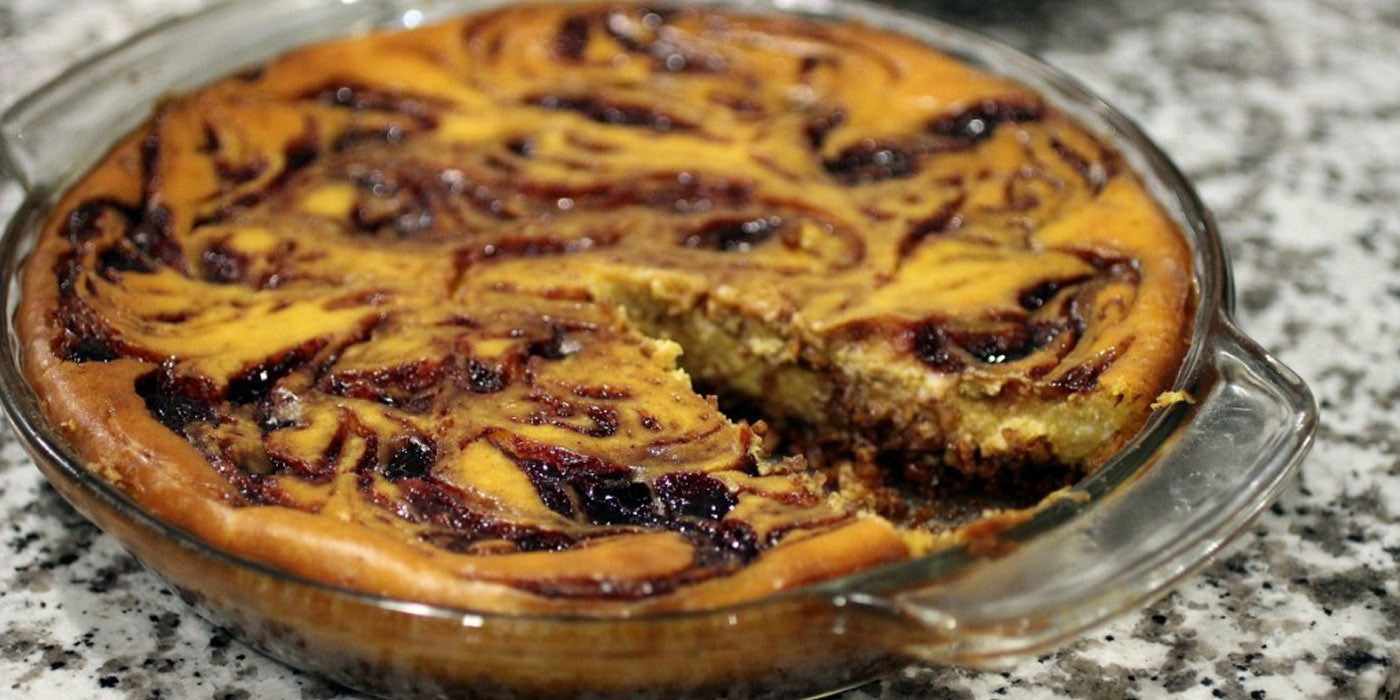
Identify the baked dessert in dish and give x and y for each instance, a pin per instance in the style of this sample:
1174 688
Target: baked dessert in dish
434 314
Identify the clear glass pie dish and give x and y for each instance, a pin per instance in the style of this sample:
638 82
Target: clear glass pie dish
1189 481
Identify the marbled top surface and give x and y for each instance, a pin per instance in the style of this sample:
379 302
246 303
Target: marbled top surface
1287 117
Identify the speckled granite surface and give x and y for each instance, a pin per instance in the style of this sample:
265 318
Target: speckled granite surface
1287 116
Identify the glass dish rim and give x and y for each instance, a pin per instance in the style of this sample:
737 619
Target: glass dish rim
1214 302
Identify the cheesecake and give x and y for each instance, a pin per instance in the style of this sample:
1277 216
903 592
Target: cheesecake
602 308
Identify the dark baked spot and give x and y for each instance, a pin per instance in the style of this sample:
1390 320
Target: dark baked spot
934 348
222 264
576 485
602 498
557 346
602 391
401 203
733 235
89 349
617 502
253 489
522 147
948 349
154 235
84 222
238 173
1008 343
980 121
85 336
523 539
538 540
67 272
434 503
353 136
721 544
411 386
1034 297
431 502
945 219
1094 174
534 246
695 495
567 462
314 469
871 161
572 38
603 421
360 97
408 197
150 154
122 256
176 400
253 383
551 485
483 378
301 151
1114 267
818 128
1086 376
410 456
212 142
606 111
811 62
677 191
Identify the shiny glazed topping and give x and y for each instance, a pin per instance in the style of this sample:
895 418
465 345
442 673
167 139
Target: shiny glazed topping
417 300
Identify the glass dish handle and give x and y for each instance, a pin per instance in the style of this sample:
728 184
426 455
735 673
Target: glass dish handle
1251 424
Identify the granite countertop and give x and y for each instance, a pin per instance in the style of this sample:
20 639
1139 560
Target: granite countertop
1287 116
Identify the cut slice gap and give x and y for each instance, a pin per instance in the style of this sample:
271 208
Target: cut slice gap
911 461
915 490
